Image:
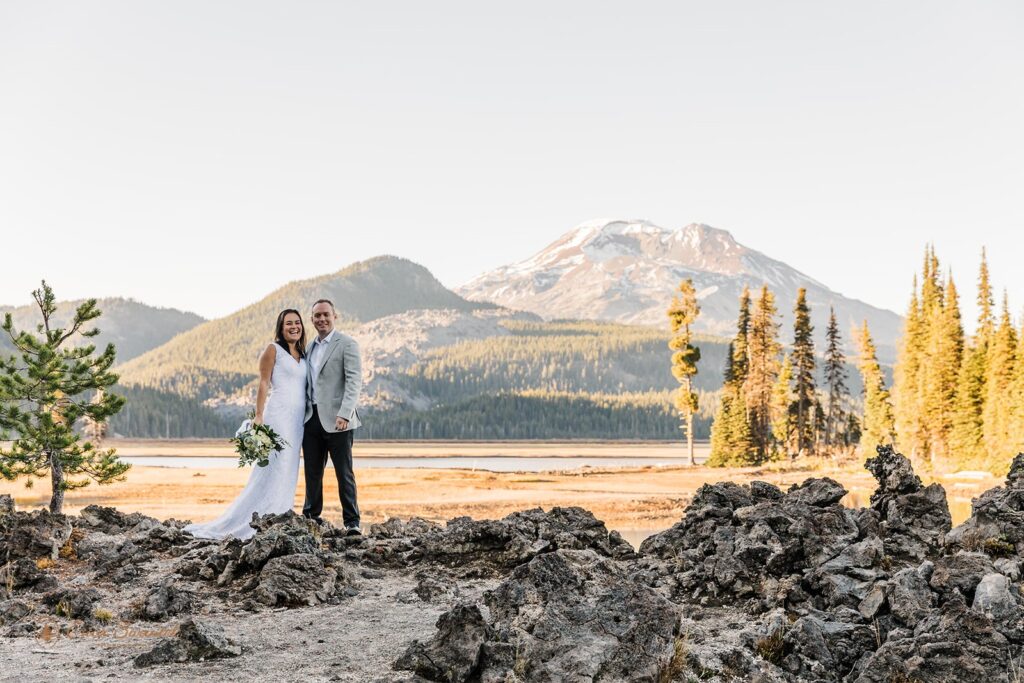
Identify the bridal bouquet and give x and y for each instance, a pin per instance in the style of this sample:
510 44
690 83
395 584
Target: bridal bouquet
254 443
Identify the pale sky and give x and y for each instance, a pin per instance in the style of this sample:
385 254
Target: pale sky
200 154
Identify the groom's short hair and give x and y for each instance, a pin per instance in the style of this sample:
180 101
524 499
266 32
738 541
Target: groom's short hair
325 301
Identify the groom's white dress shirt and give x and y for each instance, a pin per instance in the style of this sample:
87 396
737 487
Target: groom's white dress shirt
315 356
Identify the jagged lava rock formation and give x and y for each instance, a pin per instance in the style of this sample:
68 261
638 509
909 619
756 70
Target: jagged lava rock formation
753 584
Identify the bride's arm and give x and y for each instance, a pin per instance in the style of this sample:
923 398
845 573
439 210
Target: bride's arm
267 359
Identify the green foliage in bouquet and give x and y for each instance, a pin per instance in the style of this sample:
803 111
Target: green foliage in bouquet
255 442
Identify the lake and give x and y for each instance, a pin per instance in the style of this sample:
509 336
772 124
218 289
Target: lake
493 463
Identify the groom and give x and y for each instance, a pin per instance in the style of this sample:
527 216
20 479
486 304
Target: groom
332 390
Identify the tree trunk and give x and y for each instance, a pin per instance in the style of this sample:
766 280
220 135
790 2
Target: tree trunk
689 437
57 481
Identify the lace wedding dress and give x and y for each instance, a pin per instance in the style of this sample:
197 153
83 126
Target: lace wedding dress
271 489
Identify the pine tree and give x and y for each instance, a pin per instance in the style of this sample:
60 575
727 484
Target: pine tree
681 314
731 442
762 373
986 303
878 423
997 415
803 373
967 436
941 370
741 342
783 404
909 425
45 388
835 378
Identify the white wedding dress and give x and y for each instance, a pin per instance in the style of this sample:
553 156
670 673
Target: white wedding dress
271 489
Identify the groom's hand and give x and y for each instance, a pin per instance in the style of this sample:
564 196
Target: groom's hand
341 424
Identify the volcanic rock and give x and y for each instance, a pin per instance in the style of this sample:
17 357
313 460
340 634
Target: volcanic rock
913 518
166 600
565 615
195 641
954 644
295 580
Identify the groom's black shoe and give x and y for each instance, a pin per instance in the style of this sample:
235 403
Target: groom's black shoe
319 520
353 531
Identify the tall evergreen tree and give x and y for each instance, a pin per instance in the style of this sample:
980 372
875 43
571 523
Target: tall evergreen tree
741 342
986 303
966 440
835 378
681 314
997 415
731 442
803 373
967 435
878 423
941 370
909 425
45 388
763 371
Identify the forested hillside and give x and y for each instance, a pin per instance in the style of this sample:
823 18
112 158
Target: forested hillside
153 414
543 415
132 327
219 357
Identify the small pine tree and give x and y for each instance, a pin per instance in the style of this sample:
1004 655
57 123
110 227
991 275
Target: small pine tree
681 314
45 389
878 424
835 379
803 373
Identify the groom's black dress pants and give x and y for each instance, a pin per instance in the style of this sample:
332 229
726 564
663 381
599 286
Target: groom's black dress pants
317 443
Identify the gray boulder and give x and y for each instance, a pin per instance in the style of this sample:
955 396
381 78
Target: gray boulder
453 654
960 573
996 524
909 596
1000 601
38 534
913 519
954 644
73 603
295 580
739 543
565 615
506 543
166 600
12 611
195 641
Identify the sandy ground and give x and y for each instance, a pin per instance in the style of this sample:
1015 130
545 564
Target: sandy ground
355 641
636 501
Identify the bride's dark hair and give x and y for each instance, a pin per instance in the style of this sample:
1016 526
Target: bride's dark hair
279 332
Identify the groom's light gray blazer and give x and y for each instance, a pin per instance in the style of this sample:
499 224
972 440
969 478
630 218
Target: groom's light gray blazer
338 382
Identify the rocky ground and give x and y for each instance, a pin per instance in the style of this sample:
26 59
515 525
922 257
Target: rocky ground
753 584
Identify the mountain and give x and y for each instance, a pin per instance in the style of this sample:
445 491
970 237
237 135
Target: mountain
218 358
435 365
132 327
626 271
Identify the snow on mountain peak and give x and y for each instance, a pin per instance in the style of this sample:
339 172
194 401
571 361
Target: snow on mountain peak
622 269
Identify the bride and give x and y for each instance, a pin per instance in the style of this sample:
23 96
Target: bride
281 404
